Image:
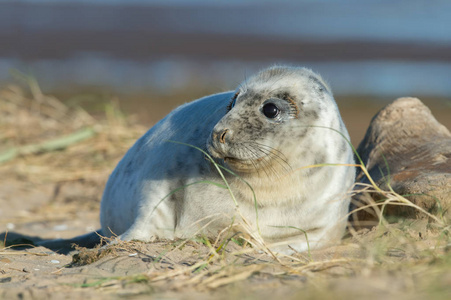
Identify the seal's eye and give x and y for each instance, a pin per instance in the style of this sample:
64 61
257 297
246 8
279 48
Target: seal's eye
270 110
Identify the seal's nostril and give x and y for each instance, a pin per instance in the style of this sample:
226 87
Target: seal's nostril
222 136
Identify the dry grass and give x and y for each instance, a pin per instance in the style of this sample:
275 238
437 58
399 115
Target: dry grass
401 259
32 118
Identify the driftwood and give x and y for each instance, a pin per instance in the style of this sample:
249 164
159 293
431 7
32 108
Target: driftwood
405 148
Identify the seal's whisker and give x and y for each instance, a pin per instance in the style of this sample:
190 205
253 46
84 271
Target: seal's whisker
253 160
276 154
265 160
243 87
282 162
244 83
272 149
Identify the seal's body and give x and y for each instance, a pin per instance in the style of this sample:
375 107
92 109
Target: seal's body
268 132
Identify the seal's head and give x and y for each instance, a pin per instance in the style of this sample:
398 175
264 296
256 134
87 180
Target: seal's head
270 121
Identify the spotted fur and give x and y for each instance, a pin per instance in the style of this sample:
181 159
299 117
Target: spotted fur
271 154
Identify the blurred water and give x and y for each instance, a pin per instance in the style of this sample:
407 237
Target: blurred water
379 48
377 78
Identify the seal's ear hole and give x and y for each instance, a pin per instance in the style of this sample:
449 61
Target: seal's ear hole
270 110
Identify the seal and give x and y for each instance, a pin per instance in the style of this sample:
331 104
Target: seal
280 144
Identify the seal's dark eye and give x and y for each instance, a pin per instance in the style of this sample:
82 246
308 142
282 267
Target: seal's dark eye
270 110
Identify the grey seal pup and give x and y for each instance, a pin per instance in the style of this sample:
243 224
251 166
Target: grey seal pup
267 132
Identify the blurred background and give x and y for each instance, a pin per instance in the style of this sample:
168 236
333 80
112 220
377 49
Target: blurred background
154 55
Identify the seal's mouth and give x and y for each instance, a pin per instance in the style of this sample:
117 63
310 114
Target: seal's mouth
243 165
233 159
240 164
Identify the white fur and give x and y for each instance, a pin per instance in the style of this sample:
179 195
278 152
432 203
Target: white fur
317 203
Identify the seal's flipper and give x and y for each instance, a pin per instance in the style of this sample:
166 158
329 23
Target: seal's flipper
65 246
